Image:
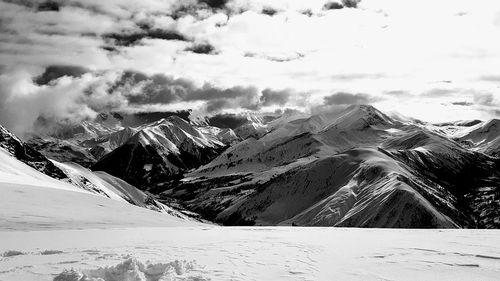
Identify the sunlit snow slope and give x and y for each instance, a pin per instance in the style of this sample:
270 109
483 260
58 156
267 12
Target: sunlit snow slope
31 200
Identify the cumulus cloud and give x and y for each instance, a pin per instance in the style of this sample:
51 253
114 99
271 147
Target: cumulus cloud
219 54
142 89
22 102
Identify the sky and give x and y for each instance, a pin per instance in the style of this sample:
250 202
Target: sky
69 60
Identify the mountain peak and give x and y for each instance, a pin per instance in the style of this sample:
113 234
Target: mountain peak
360 116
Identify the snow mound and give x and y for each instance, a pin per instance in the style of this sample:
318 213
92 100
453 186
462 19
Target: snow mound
134 270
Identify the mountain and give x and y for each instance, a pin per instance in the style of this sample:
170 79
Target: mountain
63 150
32 200
106 185
25 153
159 150
483 137
251 130
15 154
69 141
358 167
355 168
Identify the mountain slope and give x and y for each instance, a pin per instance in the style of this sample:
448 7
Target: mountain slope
32 200
62 150
160 150
359 168
483 137
25 153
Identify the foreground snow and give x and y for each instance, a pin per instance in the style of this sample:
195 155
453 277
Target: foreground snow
266 253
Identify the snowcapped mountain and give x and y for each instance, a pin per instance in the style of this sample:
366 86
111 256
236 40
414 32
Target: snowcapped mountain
483 137
63 150
251 130
161 149
358 167
22 164
72 142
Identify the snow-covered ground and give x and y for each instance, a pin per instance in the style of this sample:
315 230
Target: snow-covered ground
263 253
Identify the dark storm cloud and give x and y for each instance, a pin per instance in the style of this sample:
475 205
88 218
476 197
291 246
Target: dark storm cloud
142 89
272 97
54 72
133 38
333 6
227 120
38 5
350 3
202 48
307 12
48 6
344 3
269 11
342 98
216 4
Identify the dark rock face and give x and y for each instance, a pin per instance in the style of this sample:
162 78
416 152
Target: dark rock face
143 165
28 155
158 152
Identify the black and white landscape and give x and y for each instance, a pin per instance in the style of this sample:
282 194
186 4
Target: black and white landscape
249 140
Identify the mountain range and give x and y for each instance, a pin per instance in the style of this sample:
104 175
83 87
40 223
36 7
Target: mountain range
354 168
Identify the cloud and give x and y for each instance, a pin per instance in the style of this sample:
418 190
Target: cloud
227 120
135 37
398 93
22 102
490 78
263 44
351 3
439 93
342 98
217 4
48 5
269 11
357 76
272 97
202 48
333 6
141 89
462 103
275 57
54 72
485 99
